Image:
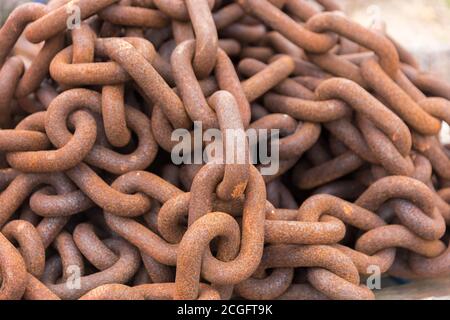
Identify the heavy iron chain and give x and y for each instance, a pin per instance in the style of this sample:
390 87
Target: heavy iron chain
86 127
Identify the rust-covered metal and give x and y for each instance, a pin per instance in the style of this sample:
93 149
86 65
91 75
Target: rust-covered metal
89 193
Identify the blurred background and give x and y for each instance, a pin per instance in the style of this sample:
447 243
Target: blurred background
421 26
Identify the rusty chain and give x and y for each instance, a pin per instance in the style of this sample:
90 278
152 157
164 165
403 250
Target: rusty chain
86 131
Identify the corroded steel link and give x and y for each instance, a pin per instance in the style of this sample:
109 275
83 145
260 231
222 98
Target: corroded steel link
206 38
437 107
249 67
194 101
38 103
259 53
149 80
15 24
326 231
193 245
280 196
252 230
431 148
98 155
36 290
83 39
431 229
423 170
257 85
367 105
171 216
337 288
268 288
227 79
406 57
130 16
68 254
236 151
351 136
49 228
316 206
38 70
430 267
308 69
22 186
426 222
384 259
302 9
113 111
312 83
182 31
344 189
323 258
227 15
283 45
298 137
143 238
22 140
204 184
113 292
92 248
327 172
120 272
338 66
427 82
69 155
385 50
302 292
161 126
10 74
251 34
140 236
349 47
359 57
406 84
177 9
65 72
230 47
46 204
55 21
392 236
307 110
281 22
383 149
30 245
53 269
106 197
330 5
83 184
319 153
157 272
166 291
398 100
136 233
13 271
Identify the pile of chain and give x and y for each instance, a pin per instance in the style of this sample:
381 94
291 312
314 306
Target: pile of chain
93 208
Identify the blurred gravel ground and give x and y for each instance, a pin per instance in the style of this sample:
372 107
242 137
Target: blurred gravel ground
421 26
6 6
